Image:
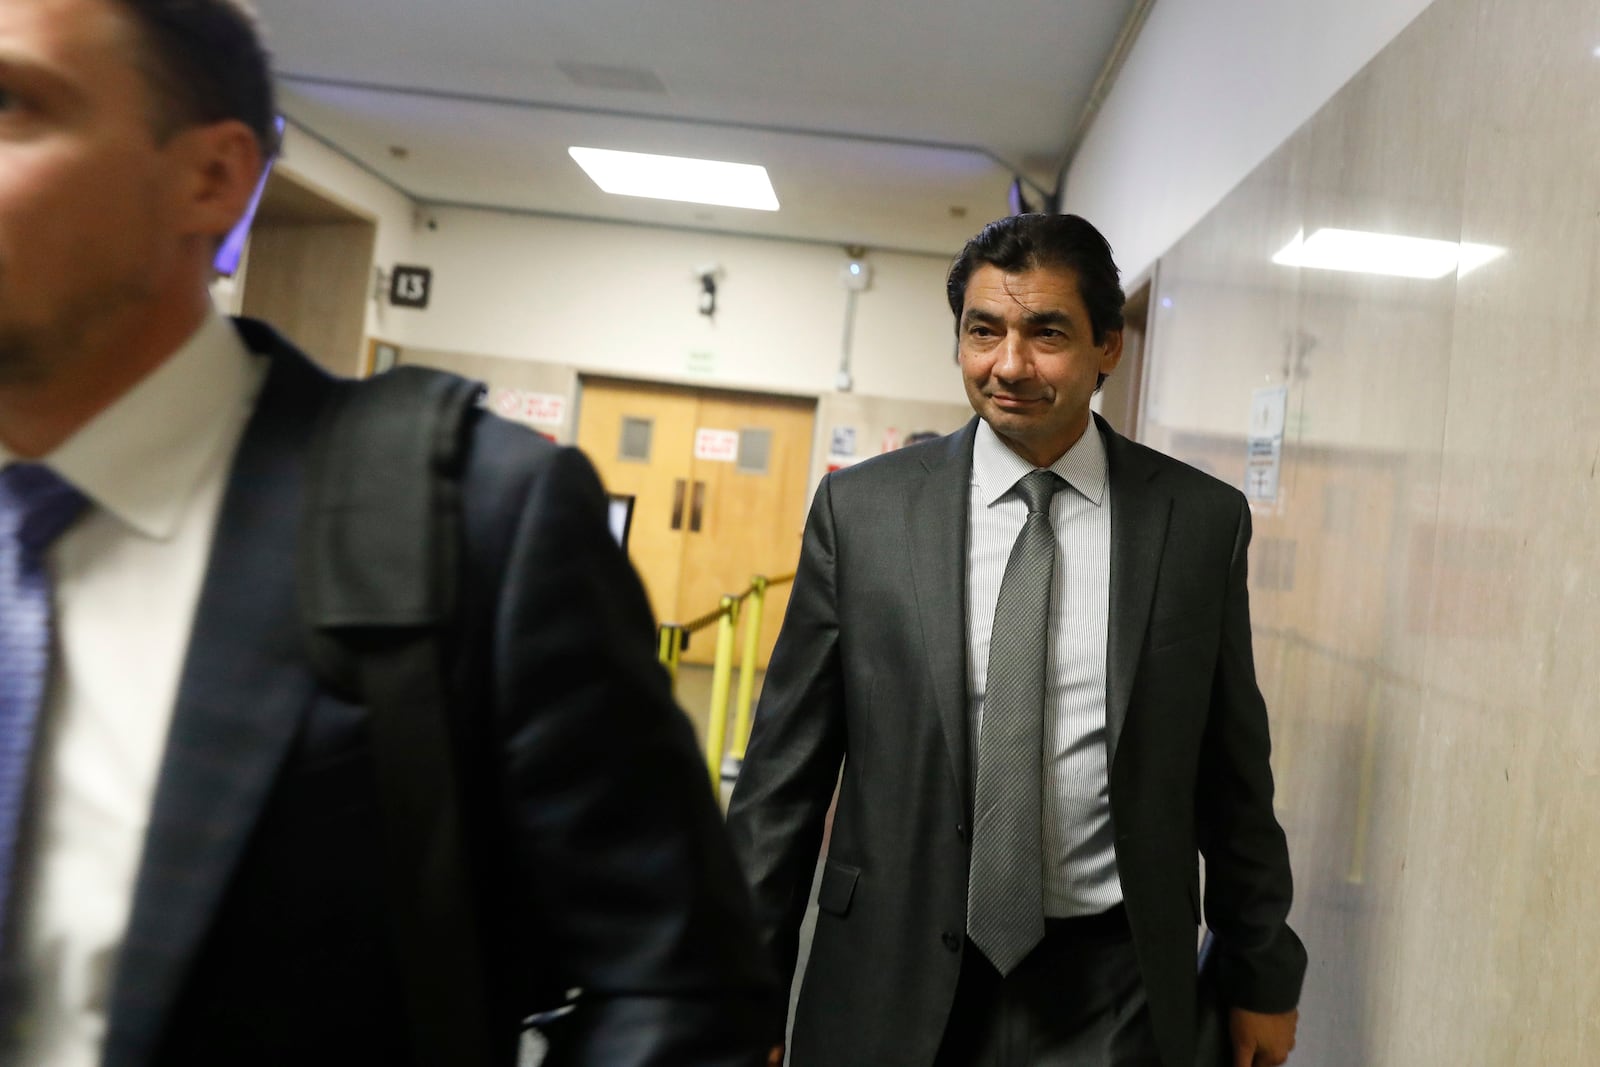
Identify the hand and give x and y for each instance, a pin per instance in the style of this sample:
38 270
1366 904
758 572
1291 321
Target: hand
775 1057
1261 1040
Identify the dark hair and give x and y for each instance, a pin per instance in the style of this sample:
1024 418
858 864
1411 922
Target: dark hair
1050 242
205 63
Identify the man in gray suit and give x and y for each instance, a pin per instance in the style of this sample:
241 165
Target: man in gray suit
1028 647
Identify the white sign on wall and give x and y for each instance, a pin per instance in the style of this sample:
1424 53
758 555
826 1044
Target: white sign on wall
507 403
542 409
547 409
1264 443
1268 411
721 446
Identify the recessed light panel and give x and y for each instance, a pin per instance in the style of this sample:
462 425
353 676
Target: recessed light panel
694 181
1393 255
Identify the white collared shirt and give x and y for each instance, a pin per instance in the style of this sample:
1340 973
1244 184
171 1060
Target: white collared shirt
127 577
1080 876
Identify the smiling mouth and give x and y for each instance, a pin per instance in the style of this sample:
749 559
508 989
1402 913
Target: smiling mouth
1015 401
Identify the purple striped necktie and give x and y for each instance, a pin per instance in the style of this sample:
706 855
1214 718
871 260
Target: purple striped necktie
35 507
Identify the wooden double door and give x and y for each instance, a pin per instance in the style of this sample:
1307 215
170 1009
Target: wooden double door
719 483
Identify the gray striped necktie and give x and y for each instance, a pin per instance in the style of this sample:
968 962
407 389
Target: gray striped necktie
1005 880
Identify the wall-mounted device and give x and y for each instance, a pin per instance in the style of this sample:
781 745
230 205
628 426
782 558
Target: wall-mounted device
709 275
856 274
856 277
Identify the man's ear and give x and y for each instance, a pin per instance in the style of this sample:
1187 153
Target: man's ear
219 165
1111 351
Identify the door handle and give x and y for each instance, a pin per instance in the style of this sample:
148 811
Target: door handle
678 488
697 509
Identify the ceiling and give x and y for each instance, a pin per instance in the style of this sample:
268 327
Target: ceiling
885 126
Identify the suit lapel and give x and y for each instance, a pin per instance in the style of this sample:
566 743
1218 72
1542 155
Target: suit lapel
936 531
1139 517
243 690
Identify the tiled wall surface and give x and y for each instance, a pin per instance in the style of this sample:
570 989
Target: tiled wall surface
1426 589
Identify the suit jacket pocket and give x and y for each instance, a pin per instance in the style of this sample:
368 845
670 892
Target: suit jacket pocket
838 887
1168 630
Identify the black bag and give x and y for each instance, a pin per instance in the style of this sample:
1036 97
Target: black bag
377 579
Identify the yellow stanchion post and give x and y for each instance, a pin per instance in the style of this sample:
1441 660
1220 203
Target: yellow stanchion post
747 665
669 649
721 682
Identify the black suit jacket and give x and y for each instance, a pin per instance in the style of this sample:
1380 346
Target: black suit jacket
257 934
870 671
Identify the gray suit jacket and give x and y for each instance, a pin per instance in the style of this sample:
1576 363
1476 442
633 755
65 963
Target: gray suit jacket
870 672
257 936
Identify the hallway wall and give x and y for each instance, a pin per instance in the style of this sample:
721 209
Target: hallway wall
1210 88
1426 590
313 163
623 300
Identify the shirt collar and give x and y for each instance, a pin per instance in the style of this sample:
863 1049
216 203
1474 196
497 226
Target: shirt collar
996 469
142 458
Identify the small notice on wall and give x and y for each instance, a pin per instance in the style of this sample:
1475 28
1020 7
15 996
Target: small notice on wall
541 409
1264 444
410 287
1261 465
1268 411
546 409
844 441
720 446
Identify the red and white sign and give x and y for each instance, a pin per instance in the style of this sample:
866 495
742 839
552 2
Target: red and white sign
507 403
721 446
546 409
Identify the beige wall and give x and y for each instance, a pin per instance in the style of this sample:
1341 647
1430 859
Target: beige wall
1426 592
1210 88
879 424
319 167
530 303
510 381
622 300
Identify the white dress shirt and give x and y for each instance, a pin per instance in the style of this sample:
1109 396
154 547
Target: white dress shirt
127 577
1080 875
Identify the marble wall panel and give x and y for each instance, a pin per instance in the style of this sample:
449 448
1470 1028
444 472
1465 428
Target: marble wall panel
1426 588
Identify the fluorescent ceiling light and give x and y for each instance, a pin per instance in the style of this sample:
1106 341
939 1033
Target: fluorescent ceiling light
1390 254
696 181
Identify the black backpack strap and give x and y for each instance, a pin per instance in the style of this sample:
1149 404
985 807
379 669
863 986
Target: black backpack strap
378 570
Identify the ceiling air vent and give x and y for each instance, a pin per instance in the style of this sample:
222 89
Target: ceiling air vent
623 79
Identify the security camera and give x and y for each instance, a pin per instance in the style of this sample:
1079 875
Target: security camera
708 274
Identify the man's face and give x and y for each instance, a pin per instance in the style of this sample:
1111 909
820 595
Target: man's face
1029 359
88 199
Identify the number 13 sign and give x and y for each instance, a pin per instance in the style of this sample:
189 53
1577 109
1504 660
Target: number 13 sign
409 287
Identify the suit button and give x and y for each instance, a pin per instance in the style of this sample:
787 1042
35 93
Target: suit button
961 831
952 941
